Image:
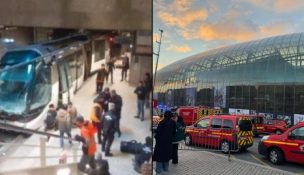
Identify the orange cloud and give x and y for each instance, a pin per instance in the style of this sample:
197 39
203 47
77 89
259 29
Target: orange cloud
180 49
183 19
155 37
233 31
278 5
181 5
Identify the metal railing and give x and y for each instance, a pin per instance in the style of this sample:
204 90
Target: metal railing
42 147
221 140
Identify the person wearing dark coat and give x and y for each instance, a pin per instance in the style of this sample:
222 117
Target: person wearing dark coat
164 136
141 95
108 128
125 67
101 75
117 100
110 70
179 136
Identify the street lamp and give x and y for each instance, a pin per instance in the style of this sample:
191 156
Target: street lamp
157 54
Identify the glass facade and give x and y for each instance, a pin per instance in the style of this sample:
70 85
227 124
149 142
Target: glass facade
266 76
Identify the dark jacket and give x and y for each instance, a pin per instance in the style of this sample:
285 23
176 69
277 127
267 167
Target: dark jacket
180 133
148 84
108 123
164 136
141 93
125 63
117 100
101 75
50 120
110 66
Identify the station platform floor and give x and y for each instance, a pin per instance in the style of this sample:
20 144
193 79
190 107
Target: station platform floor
23 154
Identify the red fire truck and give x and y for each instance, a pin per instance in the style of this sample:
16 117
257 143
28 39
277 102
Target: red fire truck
191 114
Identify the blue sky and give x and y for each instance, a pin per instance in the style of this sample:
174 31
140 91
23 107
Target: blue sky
195 26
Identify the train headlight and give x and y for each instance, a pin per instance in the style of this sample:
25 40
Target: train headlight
264 138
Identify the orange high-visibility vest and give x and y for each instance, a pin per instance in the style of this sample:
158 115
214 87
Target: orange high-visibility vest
93 115
88 133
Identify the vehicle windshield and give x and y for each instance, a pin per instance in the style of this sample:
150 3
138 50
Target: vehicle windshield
257 120
14 83
245 125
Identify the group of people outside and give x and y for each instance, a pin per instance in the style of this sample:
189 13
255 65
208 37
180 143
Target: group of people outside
168 135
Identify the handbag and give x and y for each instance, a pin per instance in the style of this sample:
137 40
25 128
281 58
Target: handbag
131 147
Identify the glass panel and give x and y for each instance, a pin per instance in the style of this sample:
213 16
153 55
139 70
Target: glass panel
216 123
42 88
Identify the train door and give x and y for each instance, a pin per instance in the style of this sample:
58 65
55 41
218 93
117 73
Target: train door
64 95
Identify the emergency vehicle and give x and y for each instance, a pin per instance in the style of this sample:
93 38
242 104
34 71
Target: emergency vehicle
227 132
191 114
275 126
257 124
288 146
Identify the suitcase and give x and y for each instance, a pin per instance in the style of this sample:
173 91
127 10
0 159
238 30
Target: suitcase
131 147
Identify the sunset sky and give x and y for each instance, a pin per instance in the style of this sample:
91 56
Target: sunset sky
195 26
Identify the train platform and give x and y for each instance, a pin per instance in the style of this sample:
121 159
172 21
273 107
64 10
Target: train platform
207 163
24 153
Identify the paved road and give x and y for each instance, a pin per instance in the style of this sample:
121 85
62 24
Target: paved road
252 155
206 163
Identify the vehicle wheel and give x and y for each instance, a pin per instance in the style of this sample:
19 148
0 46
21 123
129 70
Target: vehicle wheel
225 147
188 140
276 156
278 132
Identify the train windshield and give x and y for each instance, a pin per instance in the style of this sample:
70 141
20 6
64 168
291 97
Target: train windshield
14 83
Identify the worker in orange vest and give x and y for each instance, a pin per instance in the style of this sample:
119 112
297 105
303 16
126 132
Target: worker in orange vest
96 117
87 138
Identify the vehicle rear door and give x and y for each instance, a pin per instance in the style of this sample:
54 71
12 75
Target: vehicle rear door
296 145
215 132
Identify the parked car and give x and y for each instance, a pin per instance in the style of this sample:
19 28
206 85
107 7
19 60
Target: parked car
258 124
288 146
275 126
226 132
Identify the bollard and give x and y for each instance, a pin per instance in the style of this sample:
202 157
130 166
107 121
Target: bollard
229 156
42 152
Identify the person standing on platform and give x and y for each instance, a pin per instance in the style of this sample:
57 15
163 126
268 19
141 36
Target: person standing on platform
72 112
101 75
96 117
149 88
110 69
50 121
63 124
117 100
125 67
109 128
164 136
141 96
179 136
87 131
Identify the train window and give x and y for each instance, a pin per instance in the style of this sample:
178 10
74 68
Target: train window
68 73
41 94
14 85
72 66
63 78
80 62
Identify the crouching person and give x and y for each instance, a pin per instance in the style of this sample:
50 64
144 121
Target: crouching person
87 131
